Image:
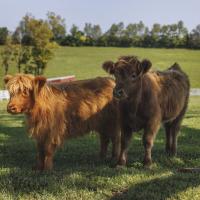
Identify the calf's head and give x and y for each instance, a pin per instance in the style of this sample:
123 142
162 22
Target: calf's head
128 71
23 90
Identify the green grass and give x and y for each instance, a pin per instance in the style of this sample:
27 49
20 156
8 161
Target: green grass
78 173
85 62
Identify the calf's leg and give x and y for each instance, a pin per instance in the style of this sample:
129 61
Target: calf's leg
116 144
45 156
168 133
104 140
176 124
125 140
40 156
173 129
48 156
148 140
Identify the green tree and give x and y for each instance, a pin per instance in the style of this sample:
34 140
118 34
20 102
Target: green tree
6 55
166 36
114 33
194 38
182 30
173 35
116 30
41 36
131 30
155 35
182 34
57 26
77 36
74 30
136 32
21 56
3 35
97 32
16 36
22 32
92 33
141 28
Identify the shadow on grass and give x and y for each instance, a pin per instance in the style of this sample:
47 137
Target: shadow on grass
189 135
16 147
159 188
188 149
192 114
79 157
17 155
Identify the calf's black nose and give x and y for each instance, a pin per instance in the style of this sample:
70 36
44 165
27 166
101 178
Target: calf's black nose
118 93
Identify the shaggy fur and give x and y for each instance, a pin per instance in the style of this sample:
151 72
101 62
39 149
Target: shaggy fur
58 112
147 99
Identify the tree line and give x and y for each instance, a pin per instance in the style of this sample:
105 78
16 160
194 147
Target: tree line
31 45
133 35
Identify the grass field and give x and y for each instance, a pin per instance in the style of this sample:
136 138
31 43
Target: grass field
85 62
79 174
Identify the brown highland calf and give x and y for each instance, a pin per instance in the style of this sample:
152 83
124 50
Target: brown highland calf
147 99
55 113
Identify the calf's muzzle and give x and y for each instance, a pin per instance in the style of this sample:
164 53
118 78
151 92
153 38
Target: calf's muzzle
119 93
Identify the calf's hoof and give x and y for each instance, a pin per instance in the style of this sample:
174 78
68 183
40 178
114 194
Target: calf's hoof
121 162
118 164
147 164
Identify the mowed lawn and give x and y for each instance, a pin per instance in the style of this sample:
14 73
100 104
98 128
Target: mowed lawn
79 174
85 62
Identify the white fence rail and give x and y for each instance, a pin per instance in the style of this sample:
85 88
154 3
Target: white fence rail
195 92
4 95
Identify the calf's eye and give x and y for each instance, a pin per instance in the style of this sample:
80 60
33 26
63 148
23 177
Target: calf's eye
25 93
134 75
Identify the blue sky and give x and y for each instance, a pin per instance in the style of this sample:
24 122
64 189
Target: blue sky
103 12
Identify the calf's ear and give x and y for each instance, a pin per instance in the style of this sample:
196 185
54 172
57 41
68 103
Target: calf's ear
7 78
39 82
109 67
146 65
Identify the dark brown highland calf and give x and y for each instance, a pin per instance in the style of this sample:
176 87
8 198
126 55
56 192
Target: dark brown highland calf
147 99
55 113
